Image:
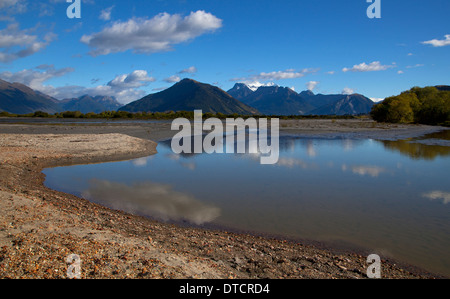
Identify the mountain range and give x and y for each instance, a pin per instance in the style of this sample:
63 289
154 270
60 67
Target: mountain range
86 104
276 100
20 99
189 95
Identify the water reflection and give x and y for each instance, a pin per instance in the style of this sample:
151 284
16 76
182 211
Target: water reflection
151 199
373 171
438 195
292 162
363 192
416 151
427 147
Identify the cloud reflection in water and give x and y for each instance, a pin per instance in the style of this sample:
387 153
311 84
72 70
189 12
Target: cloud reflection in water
151 199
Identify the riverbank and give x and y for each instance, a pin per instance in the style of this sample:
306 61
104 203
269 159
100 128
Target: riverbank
40 227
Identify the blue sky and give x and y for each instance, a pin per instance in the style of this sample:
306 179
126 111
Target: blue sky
133 48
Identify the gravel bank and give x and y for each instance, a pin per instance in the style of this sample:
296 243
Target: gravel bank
40 227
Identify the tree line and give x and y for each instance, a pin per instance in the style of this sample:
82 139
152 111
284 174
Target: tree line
159 115
427 105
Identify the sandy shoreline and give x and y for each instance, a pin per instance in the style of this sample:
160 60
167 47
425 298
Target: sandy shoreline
40 227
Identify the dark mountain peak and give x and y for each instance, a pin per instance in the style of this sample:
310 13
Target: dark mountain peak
240 91
189 95
238 86
277 100
307 94
86 96
188 81
275 90
21 99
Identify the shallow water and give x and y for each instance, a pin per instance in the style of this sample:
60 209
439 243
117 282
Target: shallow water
388 197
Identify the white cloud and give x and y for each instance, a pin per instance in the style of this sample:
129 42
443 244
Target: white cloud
135 79
105 14
276 75
16 43
189 70
415 66
173 79
371 67
148 36
280 75
439 43
348 90
400 72
376 100
311 85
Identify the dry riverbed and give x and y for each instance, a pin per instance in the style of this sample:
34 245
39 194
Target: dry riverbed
40 227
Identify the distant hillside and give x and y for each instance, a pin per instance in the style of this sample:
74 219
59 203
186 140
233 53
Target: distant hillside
20 99
348 105
443 87
276 100
189 95
321 100
86 104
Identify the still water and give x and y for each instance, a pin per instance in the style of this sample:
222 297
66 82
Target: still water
387 197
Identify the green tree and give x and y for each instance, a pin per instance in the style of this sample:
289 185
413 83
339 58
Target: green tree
420 105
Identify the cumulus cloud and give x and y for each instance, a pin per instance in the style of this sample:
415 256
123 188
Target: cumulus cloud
173 79
189 70
311 85
158 34
135 79
125 88
348 90
371 67
276 75
16 43
152 200
439 42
